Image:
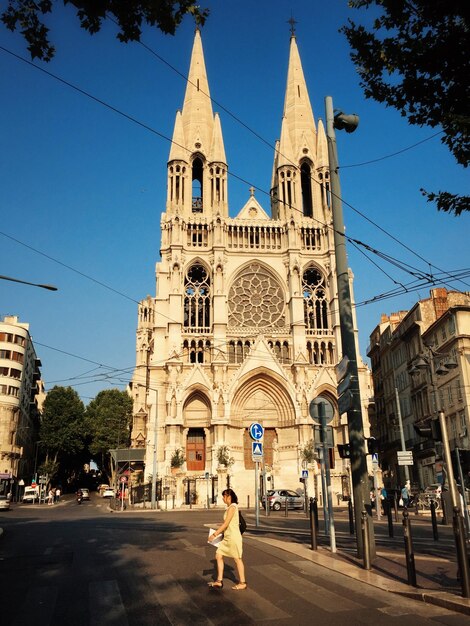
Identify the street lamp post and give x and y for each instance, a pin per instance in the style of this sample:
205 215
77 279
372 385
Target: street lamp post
25 282
427 362
360 480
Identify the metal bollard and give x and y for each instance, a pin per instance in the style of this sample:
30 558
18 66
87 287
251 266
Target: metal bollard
351 517
285 509
247 502
315 513
410 557
389 518
462 555
395 504
435 533
365 539
313 530
166 502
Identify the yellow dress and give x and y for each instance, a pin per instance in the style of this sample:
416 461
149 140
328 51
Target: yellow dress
231 545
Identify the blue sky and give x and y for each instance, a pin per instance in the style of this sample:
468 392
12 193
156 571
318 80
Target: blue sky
86 186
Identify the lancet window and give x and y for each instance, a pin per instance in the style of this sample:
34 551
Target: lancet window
197 299
197 351
315 302
306 184
238 351
197 188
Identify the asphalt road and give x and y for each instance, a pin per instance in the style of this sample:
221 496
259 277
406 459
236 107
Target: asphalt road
70 565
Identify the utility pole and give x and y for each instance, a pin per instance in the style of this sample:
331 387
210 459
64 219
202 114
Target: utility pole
360 477
153 502
402 434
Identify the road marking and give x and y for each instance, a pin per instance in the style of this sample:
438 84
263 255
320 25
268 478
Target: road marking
176 603
40 602
307 590
105 604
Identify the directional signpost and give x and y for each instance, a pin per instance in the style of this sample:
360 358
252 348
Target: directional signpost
405 457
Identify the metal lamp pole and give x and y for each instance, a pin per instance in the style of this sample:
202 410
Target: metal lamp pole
355 425
25 282
153 502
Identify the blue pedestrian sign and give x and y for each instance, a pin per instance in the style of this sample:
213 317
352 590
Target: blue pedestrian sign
256 451
256 431
304 473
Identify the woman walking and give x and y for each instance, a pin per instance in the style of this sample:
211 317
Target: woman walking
231 544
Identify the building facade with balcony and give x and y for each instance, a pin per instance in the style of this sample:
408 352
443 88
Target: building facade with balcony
244 326
21 395
442 323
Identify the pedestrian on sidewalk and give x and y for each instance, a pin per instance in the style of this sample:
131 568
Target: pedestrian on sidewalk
232 543
383 500
405 495
57 494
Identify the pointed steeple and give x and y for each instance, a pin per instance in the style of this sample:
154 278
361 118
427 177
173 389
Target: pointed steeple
178 145
298 112
322 146
197 115
217 152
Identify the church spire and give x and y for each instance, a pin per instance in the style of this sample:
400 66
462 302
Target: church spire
197 169
295 191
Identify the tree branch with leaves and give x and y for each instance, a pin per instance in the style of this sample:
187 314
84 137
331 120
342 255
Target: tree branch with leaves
416 59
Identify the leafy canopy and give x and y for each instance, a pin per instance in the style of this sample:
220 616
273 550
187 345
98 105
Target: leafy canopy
109 419
130 16
416 59
62 429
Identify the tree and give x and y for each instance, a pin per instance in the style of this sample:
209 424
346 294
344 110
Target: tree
62 432
416 59
109 419
166 15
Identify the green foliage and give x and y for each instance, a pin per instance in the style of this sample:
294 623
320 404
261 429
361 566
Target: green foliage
223 457
177 458
308 452
109 420
49 468
165 15
416 59
62 429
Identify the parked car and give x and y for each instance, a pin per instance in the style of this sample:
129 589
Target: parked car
85 493
277 499
102 488
4 503
108 493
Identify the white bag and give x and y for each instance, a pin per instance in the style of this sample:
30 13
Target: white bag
400 502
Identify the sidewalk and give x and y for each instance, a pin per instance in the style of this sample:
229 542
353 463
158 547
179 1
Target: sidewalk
435 561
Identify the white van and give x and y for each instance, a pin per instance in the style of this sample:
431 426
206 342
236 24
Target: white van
31 494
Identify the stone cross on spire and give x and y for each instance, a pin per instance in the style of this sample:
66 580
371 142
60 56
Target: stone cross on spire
292 23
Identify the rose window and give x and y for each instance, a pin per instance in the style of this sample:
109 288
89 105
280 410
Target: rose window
256 299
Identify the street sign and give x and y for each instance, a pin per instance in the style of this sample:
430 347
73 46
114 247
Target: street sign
342 368
256 431
329 437
256 451
375 459
344 384
405 457
304 473
315 412
124 479
345 402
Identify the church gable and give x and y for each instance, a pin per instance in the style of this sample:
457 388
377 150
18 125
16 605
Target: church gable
253 211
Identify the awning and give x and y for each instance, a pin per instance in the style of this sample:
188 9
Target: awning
123 455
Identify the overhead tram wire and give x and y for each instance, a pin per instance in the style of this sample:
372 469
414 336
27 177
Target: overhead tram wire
161 135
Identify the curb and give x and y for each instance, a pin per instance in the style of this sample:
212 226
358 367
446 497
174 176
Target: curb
321 557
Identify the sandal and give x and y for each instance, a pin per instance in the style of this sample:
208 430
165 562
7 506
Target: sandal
241 586
216 584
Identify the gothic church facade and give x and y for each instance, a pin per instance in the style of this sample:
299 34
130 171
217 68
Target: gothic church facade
244 325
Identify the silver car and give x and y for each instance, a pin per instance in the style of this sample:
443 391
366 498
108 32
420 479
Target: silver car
277 499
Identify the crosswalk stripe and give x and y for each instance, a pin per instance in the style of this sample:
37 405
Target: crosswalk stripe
255 606
307 590
40 602
105 604
177 605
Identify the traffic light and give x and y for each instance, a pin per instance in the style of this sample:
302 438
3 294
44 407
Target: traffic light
372 445
344 450
431 431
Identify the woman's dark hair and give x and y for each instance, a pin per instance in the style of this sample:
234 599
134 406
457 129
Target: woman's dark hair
232 494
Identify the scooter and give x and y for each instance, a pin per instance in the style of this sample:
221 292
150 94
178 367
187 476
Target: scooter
79 499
